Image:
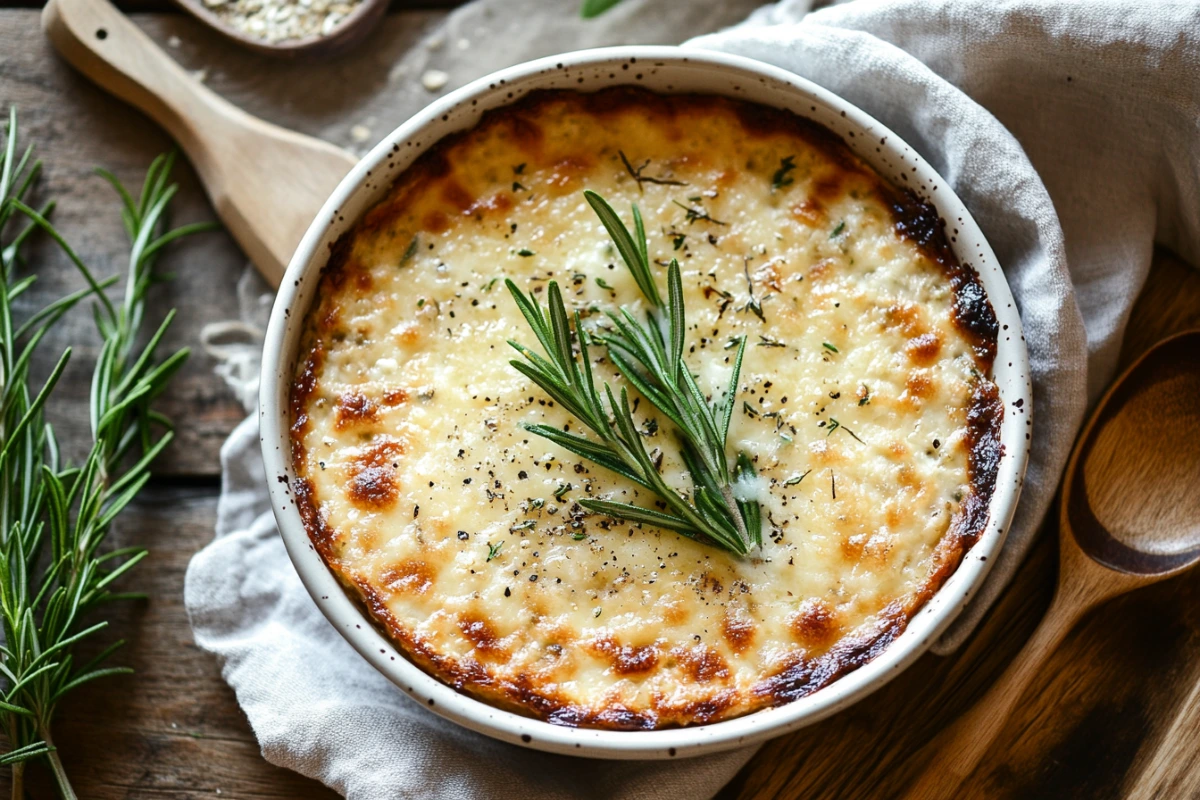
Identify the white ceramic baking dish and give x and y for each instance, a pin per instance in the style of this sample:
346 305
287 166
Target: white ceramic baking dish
670 70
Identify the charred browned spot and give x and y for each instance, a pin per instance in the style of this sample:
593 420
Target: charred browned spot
738 629
363 280
828 187
725 178
809 212
701 663
815 624
821 269
852 546
319 533
894 516
924 349
436 221
500 202
567 172
897 449
626 659
457 195
908 317
768 276
412 576
699 712
395 397
303 388
481 634
353 409
526 133
373 475
907 477
919 383
409 333
673 612
331 320
824 452
983 463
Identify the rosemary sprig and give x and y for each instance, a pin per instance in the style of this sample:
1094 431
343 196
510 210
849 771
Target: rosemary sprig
54 518
649 356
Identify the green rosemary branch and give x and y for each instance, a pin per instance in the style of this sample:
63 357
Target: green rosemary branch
594 8
54 518
649 356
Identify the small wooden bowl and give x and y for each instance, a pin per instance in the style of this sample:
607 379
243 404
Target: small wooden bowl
349 32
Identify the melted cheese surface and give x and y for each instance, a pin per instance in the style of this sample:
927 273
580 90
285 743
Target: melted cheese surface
459 529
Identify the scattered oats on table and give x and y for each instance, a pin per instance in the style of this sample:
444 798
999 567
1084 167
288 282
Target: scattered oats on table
280 20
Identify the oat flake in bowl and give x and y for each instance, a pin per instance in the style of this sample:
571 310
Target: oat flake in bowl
275 21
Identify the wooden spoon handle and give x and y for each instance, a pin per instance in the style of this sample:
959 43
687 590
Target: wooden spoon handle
108 48
958 749
265 182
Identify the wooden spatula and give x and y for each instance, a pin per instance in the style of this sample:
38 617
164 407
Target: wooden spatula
266 182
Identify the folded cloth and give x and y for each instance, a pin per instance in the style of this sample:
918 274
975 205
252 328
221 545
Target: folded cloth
1070 130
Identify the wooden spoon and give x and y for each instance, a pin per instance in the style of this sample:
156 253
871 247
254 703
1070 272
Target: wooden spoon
1130 517
266 183
349 32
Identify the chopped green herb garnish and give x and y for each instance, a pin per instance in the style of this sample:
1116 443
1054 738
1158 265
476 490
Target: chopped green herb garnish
487 287
829 347
522 526
603 284
421 302
866 396
792 481
579 537
782 175
637 175
596 613
694 214
410 251
525 252
834 425
648 354
494 550
733 342
677 240
537 502
841 226
769 342
562 489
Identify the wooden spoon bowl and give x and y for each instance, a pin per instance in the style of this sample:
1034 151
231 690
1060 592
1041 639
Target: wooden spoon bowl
1130 516
1135 475
347 33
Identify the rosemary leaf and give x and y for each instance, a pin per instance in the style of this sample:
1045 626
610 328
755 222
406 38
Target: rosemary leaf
54 518
649 356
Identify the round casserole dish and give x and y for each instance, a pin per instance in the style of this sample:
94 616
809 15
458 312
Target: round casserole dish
664 70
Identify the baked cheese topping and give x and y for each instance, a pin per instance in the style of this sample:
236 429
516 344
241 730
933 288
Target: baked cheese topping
864 402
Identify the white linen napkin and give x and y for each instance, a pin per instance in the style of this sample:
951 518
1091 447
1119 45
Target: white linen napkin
1070 129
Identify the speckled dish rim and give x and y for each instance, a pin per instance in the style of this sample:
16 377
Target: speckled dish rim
672 70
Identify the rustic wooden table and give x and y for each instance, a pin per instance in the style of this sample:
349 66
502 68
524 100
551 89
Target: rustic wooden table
1087 729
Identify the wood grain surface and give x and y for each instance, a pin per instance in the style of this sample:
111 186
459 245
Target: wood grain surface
1090 727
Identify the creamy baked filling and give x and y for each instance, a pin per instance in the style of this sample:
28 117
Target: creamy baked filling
865 402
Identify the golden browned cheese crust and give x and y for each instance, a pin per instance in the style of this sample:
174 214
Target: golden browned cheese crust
865 402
